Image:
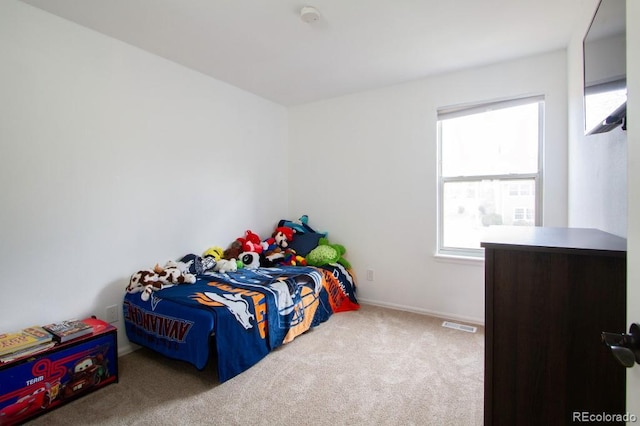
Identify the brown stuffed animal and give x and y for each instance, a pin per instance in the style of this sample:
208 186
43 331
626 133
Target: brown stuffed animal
233 251
149 280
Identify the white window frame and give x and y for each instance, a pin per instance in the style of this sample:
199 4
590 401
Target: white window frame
451 112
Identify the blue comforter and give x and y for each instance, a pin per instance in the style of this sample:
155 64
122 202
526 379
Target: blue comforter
250 313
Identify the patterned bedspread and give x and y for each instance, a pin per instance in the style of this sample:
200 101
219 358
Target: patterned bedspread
249 313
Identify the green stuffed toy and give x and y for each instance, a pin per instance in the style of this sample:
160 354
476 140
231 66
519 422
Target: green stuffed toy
327 253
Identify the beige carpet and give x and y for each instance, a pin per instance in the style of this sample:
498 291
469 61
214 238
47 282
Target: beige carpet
375 366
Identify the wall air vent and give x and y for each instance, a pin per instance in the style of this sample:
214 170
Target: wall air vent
461 327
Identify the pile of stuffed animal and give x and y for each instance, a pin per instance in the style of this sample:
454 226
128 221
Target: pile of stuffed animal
291 243
149 280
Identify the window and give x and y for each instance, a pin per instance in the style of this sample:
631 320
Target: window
523 213
489 171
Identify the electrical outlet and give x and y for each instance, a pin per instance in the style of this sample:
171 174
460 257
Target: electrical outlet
112 313
369 274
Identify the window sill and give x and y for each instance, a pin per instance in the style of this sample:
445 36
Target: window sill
465 260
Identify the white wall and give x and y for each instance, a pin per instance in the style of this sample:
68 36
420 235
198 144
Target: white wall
604 179
597 163
364 167
114 159
633 236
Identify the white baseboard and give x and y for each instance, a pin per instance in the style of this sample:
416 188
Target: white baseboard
127 349
442 315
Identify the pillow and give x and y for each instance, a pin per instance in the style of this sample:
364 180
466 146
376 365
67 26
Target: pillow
304 243
300 226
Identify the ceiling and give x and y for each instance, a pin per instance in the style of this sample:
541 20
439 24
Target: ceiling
262 46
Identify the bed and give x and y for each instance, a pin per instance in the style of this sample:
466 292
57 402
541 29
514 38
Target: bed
239 317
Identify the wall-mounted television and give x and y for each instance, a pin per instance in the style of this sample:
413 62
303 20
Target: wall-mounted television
605 65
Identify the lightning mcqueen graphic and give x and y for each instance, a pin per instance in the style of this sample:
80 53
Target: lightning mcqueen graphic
36 398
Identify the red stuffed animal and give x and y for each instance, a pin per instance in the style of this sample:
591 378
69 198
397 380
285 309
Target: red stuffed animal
250 242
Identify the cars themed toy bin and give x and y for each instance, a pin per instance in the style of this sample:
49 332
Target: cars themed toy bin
36 384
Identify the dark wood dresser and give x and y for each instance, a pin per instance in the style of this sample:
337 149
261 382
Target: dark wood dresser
549 294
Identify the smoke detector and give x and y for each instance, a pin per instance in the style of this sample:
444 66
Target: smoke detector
309 14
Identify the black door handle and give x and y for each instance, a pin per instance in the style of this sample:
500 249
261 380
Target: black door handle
625 347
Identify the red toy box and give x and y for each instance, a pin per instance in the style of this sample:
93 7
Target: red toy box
34 385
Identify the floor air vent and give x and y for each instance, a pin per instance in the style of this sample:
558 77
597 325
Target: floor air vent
461 327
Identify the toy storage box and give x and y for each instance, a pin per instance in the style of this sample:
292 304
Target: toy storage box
34 385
